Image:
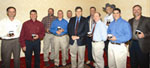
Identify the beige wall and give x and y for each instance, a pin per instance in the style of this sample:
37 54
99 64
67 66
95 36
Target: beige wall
24 6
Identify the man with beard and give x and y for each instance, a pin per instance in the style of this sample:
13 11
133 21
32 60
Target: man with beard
48 39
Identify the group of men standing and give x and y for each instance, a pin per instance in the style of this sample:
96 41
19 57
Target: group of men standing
74 33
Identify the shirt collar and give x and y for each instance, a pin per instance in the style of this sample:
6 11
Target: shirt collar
118 19
60 20
78 18
32 20
10 20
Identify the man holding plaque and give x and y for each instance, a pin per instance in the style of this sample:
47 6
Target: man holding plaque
31 34
59 29
139 45
119 32
10 29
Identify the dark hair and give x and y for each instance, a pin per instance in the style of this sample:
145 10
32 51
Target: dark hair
60 11
51 9
10 8
33 11
137 6
78 8
93 8
117 9
69 11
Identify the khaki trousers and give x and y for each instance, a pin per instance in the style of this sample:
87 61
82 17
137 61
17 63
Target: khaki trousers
74 49
60 42
48 43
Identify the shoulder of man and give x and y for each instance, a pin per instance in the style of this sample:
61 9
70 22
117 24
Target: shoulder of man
131 20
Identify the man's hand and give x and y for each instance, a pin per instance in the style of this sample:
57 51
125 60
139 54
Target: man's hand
75 37
36 37
90 35
47 30
24 48
113 38
61 30
10 35
58 32
140 35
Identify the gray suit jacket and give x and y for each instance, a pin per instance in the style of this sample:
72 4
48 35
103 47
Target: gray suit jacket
144 26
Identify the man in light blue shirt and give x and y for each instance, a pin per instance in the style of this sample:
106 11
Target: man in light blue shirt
119 32
99 35
59 29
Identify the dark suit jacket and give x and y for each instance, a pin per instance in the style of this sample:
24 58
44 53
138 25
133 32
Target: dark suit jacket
144 26
81 32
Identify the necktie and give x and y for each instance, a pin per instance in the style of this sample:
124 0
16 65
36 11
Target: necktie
77 24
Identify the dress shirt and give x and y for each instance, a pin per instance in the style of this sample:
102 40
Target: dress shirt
91 21
57 23
135 25
121 29
30 27
47 21
108 17
6 25
77 19
100 32
67 19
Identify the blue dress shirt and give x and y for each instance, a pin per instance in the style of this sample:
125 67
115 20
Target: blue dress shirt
56 23
100 32
121 29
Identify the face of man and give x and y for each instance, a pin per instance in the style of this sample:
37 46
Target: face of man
116 14
78 12
109 10
96 17
92 11
60 14
33 15
137 11
69 14
11 12
50 12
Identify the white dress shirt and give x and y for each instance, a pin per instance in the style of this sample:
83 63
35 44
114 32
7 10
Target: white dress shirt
6 25
67 19
108 18
91 21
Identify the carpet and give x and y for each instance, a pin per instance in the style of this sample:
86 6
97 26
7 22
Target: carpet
23 65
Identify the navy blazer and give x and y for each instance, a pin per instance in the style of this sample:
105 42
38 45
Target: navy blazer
81 32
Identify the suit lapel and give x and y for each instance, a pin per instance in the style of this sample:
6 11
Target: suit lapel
140 22
132 23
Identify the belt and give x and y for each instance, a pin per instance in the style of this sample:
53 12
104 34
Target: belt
116 43
10 39
61 35
96 41
32 40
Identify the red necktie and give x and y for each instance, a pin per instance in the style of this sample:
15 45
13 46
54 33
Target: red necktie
76 27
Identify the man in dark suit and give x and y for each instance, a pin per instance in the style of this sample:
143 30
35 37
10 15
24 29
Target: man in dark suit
139 46
77 30
89 39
